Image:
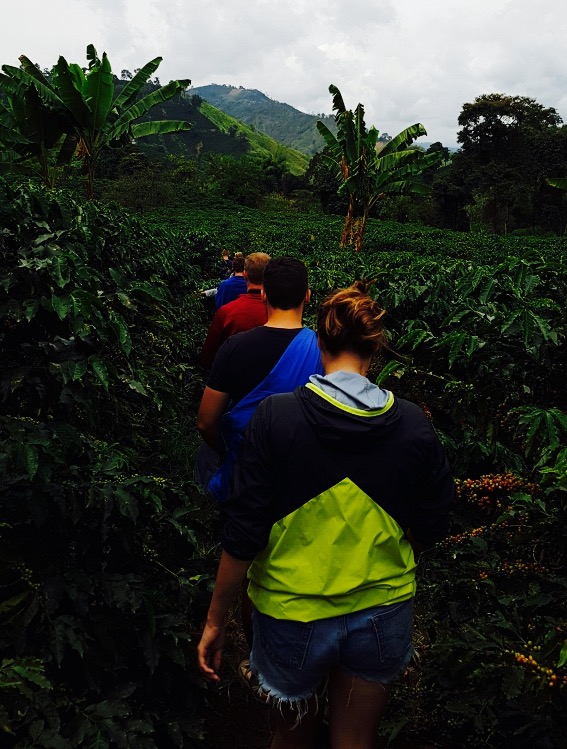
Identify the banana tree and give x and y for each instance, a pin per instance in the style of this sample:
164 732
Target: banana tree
92 117
366 171
30 130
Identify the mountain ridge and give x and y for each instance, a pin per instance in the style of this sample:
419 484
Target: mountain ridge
215 131
279 120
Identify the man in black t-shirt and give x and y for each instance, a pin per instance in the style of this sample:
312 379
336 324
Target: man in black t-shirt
246 359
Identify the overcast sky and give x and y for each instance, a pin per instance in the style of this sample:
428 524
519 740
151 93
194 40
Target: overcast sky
406 61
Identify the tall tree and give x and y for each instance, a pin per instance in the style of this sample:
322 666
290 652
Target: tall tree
366 171
90 115
494 123
510 144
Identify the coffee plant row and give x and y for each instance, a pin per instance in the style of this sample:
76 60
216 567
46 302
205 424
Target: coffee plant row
477 329
107 547
102 563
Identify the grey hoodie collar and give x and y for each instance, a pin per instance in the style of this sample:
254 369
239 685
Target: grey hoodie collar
352 390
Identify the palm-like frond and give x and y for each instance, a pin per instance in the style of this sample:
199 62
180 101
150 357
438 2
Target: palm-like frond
22 78
144 105
33 70
405 138
159 127
133 87
98 91
68 108
338 103
11 135
72 98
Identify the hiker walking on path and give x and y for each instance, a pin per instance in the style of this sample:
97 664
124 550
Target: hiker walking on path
231 288
338 486
244 313
273 358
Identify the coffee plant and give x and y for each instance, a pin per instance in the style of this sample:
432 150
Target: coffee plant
103 557
107 549
490 653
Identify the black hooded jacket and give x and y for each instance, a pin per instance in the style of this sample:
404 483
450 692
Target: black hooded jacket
320 480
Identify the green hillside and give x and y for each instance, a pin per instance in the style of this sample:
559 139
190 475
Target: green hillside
213 131
259 143
280 121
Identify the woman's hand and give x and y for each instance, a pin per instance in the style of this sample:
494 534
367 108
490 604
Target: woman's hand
209 651
230 576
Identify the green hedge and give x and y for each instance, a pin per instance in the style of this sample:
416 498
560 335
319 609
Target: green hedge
103 568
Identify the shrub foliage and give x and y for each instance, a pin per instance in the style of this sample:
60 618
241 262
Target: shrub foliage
101 560
106 550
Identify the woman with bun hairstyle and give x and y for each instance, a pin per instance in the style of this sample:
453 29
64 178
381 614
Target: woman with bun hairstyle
338 486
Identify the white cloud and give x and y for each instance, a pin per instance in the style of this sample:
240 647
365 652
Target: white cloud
406 61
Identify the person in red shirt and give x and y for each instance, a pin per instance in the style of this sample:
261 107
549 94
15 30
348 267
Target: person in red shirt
244 313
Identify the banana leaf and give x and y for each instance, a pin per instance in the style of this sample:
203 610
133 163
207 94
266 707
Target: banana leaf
41 124
332 143
98 91
33 71
144 105
72 98
403 187
405 138
67 150
159 127
78 76
11 135
12 161
133 87
21 77
92 56
389 161
338 103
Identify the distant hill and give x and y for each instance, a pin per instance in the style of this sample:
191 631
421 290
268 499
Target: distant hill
281 121
214 131
260 143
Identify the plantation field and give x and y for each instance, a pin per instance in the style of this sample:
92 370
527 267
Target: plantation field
108 548
287 231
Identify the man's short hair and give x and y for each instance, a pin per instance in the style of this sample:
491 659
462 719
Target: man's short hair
285 282
238 264
254 265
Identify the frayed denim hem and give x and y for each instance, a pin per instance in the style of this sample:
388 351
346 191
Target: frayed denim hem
298 705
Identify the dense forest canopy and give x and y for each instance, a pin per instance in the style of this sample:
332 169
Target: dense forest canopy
510 146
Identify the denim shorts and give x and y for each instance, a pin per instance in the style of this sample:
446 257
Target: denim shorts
292 659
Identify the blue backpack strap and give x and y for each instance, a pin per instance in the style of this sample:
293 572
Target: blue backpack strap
299 361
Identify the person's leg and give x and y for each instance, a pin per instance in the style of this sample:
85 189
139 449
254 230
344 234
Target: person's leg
294 734
356 707
373 654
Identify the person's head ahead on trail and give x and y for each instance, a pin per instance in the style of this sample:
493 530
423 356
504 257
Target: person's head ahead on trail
285 283
350 321
238 265
254 266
